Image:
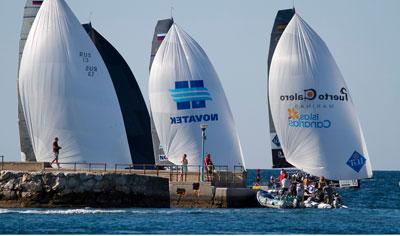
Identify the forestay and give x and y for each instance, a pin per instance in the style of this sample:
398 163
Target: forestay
66 92
185 92
312 109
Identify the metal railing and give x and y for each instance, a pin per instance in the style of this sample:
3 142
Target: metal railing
137 168
223 178
221 175
180 172
77 166
237 169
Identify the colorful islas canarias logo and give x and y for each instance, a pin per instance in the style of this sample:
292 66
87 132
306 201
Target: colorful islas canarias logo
307 120
293 114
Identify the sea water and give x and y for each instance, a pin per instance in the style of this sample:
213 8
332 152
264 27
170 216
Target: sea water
373 209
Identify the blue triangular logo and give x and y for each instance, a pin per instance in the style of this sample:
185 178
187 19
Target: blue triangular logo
356 161
275 140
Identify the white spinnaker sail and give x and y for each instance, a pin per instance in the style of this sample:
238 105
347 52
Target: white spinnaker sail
312 110
66 92
185 92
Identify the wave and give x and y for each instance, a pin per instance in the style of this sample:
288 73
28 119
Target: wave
61 211
173 211
81 211
4 211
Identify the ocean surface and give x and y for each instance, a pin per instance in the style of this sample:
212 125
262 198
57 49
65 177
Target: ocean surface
373 209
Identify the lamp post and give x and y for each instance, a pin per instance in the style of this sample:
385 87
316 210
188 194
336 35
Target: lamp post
203 140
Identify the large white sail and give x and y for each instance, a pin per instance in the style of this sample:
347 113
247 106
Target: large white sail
312 109
66 92
30 10
185 92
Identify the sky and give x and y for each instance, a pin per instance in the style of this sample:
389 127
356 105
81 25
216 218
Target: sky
362 35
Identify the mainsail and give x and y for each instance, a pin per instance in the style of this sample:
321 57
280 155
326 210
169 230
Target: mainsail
30 10
282 19
185 92
133 107
160 32
66 92
312 109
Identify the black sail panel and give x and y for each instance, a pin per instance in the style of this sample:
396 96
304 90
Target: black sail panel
282 19
160 31
133 107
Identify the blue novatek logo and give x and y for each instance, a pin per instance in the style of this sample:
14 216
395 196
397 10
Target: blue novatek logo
356 161
190 94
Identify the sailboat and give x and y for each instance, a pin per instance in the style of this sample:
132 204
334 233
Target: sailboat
131 101
311 107
185 92
282 19
160 31
66 91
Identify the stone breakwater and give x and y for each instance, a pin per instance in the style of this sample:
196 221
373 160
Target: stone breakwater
60 189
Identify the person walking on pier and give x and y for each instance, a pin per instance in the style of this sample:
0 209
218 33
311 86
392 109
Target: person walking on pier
56 152
209 166
185 163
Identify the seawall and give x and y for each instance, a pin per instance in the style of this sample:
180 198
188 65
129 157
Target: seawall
205 195
35 184
63 189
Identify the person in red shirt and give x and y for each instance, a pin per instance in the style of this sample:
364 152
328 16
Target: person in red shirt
56 152
282 176
209 166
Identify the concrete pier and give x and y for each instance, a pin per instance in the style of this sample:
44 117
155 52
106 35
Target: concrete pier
37 184
204 195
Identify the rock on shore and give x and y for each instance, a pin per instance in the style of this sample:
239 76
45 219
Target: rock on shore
59 189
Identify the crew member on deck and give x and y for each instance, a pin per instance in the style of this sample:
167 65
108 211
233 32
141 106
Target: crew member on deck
282 176
272 183
258 177
285 184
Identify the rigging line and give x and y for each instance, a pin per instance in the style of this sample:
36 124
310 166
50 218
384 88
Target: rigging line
90 17
172 9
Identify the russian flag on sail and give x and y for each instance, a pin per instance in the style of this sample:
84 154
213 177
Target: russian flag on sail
37 3
161 37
